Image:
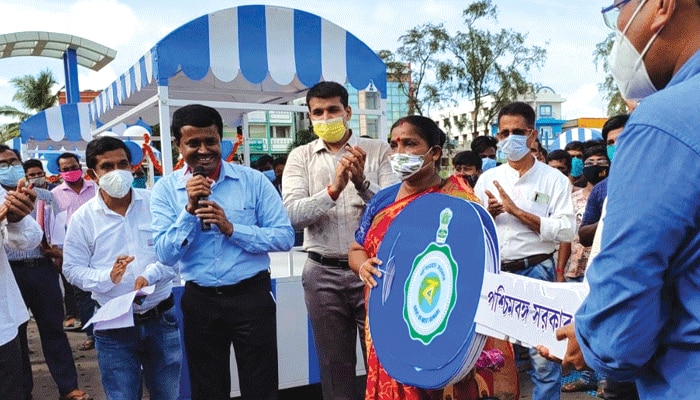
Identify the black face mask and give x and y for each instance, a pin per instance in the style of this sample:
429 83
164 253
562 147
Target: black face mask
471 179
595 173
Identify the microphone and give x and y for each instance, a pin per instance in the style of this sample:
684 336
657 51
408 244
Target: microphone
199 171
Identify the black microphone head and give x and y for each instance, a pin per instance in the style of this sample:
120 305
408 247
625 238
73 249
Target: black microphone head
199 170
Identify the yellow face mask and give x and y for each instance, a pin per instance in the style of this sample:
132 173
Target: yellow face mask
330 130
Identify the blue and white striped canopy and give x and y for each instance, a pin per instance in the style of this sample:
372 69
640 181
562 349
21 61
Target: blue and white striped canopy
247 54
576 134
69 122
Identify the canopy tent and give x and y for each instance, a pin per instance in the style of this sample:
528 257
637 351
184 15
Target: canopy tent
238 60
576 134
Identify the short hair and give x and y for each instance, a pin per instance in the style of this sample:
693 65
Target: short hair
596 151
519 108
560 155
197 115
65 156
32 163
615 122
4 148
481 143
102 145
575 146
470 158
425 127
282 160
328 90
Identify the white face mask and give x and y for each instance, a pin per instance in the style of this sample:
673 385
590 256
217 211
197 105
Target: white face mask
514 147
407 165
116 183
627 64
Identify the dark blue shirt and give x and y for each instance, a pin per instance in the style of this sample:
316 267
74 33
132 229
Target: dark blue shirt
594 205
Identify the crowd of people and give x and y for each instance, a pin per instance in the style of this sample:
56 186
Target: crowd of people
558 217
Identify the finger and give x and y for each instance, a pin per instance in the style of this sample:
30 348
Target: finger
561 333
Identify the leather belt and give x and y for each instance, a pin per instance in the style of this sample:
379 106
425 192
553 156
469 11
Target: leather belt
329 261
29 263
230 290
518 265
156 311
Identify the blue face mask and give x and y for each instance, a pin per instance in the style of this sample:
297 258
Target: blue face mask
10 176
487 163
576 167
611 151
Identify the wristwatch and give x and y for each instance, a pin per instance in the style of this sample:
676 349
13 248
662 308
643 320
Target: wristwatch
364 186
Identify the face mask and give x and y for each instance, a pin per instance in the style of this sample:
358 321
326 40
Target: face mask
406 165
627 65
470 179
116 183
576 167
595 173
487 163
330 130
611 151
10 176
72 176
139 182
514 147
38 182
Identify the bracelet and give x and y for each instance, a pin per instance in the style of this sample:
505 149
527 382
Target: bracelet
560 270
334 195
359 272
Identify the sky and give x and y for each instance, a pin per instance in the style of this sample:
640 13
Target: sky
568 29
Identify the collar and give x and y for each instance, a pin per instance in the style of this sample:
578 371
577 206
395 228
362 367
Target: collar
320 145
226 170
136 195
87 183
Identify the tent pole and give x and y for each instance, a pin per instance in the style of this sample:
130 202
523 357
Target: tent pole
246 141
165 139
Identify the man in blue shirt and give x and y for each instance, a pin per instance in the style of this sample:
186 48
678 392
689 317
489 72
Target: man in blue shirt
227 299
641 319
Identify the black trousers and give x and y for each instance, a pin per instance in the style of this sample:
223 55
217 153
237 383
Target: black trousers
242 315
11 370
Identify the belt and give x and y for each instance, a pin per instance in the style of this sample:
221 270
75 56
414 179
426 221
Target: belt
329 261
230 290
30 262
518 265
156 311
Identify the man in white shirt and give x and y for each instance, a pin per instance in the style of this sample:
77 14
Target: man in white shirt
19 233
532 207
109 252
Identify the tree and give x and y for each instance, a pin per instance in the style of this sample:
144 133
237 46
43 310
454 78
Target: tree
34 94
301 138
482 63
610 92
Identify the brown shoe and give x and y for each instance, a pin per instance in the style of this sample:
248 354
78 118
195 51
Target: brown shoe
75 394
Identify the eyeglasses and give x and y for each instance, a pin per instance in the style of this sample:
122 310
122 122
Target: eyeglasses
602 163
611 13
520 132
6 165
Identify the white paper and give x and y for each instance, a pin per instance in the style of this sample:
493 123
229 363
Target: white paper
118 312
58 228
527 311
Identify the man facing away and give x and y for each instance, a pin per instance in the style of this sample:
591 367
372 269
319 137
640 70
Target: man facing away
531 205
38 282
326 184
219 221
16 232
641 319
108 251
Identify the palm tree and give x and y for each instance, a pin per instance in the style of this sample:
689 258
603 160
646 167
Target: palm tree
35 94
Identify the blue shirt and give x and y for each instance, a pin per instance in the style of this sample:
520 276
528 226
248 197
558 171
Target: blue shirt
594 204
251 204
641 319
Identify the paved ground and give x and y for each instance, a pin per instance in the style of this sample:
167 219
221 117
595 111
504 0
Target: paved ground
89 375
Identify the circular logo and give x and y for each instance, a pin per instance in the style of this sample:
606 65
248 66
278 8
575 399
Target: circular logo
430 293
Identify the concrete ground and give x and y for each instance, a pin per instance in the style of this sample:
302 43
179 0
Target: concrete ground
89 375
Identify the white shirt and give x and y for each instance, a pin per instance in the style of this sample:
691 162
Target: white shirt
23 235
96 236
542 191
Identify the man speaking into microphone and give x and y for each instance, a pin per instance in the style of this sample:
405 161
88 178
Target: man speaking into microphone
227 298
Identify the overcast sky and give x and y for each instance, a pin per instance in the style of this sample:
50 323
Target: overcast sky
569 29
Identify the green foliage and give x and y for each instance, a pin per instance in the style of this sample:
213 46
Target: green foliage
35 94
301 138
610 92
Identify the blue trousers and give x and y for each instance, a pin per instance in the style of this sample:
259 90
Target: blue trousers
41 292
